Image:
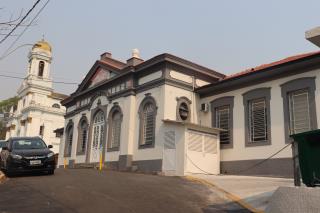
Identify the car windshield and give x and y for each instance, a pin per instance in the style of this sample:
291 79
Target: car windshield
3 144
28 144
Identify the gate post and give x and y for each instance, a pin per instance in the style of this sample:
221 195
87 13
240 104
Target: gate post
296 166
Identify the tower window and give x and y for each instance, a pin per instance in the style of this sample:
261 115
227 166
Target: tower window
41 69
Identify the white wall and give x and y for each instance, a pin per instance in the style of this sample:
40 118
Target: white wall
239 151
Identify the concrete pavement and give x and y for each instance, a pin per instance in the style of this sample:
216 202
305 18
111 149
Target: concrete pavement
89 190
253 192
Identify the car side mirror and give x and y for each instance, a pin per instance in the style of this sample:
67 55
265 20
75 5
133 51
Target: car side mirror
50 146
5 148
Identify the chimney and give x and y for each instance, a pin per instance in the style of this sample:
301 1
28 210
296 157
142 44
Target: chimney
105 55
135 59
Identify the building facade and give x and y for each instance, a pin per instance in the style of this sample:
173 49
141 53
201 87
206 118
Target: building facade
140 115
171 115
38 112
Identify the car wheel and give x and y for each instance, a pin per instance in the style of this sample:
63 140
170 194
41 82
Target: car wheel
51 172
9 173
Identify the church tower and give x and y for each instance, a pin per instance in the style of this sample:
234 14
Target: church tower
40 58
38 111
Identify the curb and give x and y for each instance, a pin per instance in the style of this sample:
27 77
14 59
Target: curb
231 196
2 177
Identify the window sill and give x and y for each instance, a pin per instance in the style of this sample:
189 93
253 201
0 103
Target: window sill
260 143
226 146
146 146
81 153
114 149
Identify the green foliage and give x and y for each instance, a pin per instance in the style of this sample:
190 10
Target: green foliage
5 105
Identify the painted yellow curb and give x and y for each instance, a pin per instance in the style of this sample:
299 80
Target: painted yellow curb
231 196
2 177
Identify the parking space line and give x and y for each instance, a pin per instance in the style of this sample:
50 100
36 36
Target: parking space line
2 177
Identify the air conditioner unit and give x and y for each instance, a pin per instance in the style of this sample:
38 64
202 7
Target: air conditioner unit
204 107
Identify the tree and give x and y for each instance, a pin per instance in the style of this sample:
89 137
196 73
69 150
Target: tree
5 107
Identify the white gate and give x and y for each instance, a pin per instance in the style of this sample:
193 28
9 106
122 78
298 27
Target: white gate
202 153
169 151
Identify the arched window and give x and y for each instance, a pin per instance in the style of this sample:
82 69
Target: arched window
41 69
147 114
56 106
68 142
98 130
115 120
83 136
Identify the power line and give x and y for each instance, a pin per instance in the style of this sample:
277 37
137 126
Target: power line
21 78
25 16
13 43
246 169
4 56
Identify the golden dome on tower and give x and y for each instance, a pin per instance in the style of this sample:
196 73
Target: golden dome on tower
42 45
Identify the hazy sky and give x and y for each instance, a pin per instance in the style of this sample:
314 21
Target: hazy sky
227 36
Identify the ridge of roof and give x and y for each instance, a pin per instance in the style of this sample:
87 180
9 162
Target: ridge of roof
272 64
113 62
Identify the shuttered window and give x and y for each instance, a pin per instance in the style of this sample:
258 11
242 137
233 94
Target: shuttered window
148 124
68 145
258 128
299 111
223 122
83 136
115 129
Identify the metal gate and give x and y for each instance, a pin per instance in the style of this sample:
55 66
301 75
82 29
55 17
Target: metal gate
169 151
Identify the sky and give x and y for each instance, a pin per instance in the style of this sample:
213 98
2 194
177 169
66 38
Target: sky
227 36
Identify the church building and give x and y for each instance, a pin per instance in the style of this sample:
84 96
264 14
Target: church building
173 116
38 112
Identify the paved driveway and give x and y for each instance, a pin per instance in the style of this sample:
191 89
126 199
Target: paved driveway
88 190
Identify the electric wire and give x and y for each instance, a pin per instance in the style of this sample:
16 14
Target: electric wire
21 78
246 169
25 29
23 18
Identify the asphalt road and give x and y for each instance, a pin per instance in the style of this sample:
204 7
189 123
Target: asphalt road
88 190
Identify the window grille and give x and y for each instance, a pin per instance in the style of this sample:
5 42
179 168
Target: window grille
223 122
148 123
115 129
169 140
98 130
84 136
299 111
183 111
69 137
258 120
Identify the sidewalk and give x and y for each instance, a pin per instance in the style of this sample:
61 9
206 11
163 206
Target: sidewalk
253 191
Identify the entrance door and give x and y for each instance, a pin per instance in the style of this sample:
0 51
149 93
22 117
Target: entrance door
169 151
97 137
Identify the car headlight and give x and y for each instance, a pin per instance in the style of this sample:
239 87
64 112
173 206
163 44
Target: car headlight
18 157
50 155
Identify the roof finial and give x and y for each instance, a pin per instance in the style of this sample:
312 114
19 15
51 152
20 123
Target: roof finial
135 53
42 37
